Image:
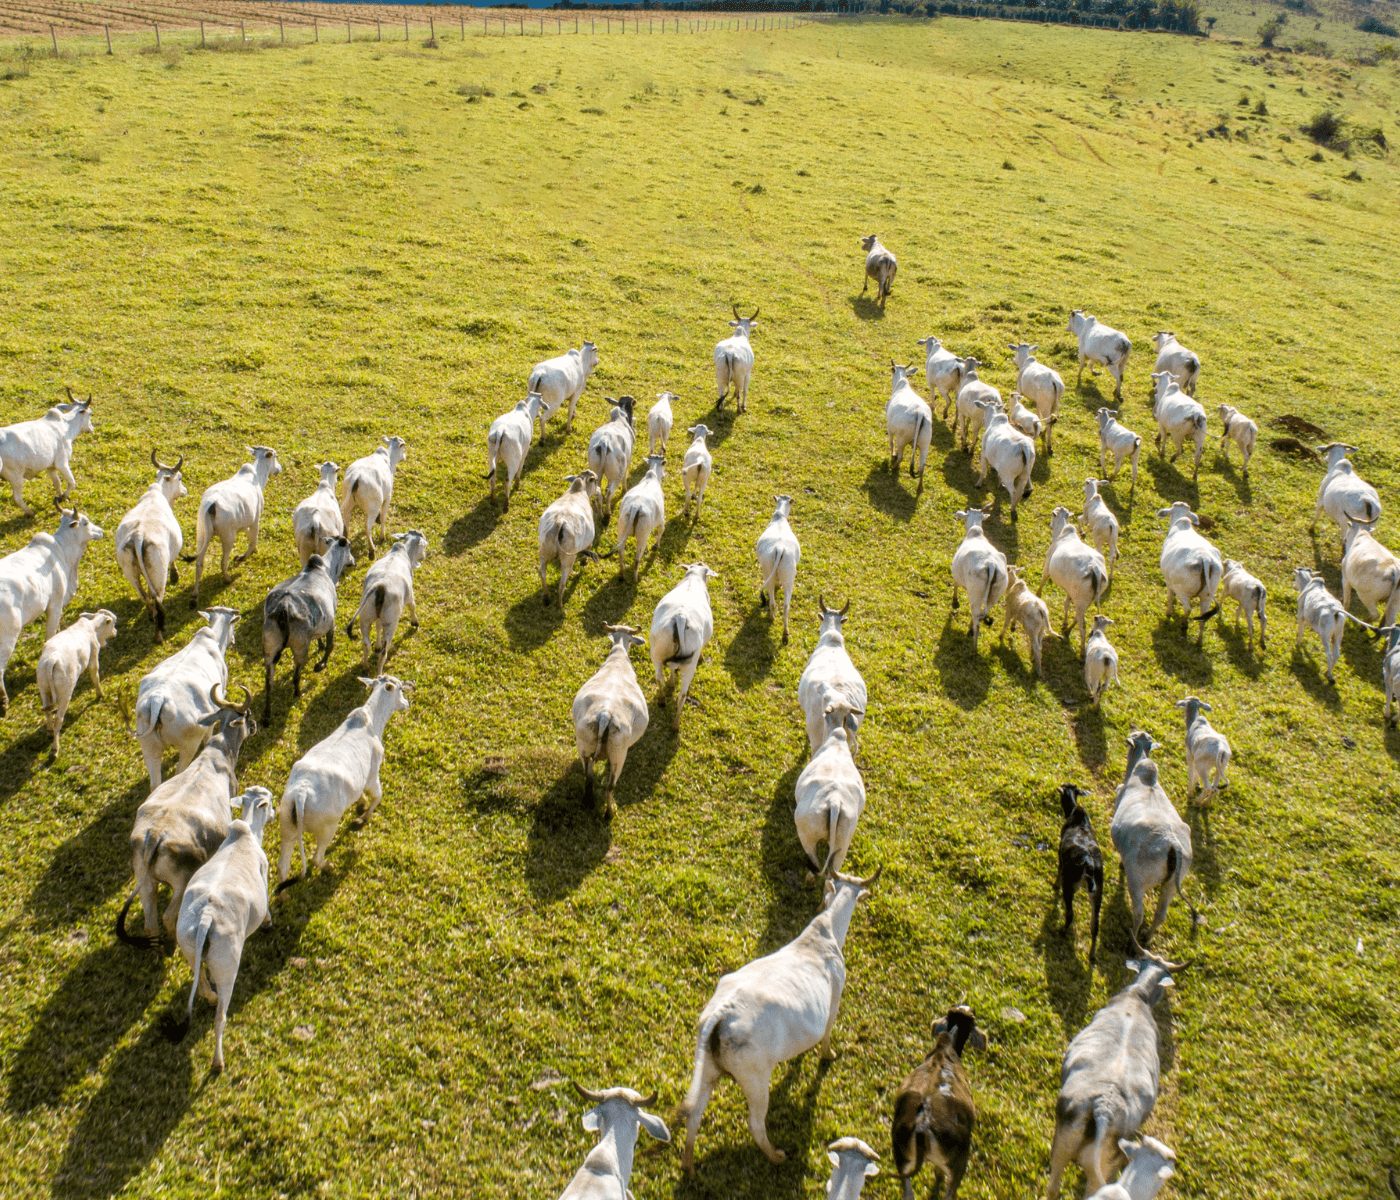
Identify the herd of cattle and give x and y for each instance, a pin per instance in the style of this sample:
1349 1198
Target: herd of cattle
786 1003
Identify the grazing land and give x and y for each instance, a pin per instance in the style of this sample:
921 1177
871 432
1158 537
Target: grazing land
313 247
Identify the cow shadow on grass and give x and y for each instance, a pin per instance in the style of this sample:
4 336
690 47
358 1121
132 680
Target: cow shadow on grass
530 623
719 421
146 1092
331 704
1363 653
1089 737
610 602
1171 483
20 757
963 675
1247 660
89 1012
734 1167
473 527
136 632
1204 863
887 492
750 655
1238 481
87 868
1069 976
156 1079
1310 674
865 308
1180 654
568 837
794 894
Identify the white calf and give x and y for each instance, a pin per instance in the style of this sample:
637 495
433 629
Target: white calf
778 556
63 660
387 594
642 515
369 487
1238 428
1039 384
1100 660
1100 522
1246 591
659 422
1118 440
908 422
1207 752
508 442
316 521
734 361
943 370
696 467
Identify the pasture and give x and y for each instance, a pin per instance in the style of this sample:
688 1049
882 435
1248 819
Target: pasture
313 247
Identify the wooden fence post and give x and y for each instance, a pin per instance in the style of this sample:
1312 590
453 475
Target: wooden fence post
243 33
281 32
378 30
54 37
316 28
432 29
201 35
157 29
107 29
462 21
405 29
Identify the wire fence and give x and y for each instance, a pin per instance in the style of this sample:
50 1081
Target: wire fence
45 23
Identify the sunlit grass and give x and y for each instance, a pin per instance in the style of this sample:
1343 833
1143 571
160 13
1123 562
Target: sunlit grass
313 247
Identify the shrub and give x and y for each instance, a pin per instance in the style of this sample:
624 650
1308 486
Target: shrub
1325 128
1373 24
1270 29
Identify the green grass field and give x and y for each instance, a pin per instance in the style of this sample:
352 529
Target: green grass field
314 247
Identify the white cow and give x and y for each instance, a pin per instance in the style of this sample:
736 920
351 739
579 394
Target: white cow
1039 384
908 422
1008 452
943 370
967 420
1099 343
1176 360
507 444
173 702
561 380
617 1115
659 420
231 506
338 771
1372 572
880 265
610 714
778 555
63 660
39 579
642 515
1075 567
1344 495
1191 566
696 467
225 903
44 447
610 449
1100 522
388 594
1119 441
317 521
734 361
567 529
830 676
771 1010
979 569
1178 418
369 487
149 540
830 794
681 628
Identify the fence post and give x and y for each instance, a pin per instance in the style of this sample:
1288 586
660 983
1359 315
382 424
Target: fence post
201 35
157 29
405 29
316 28
281 32
107 29
608 19
462 21
54 37
243 33
432 29
378 30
